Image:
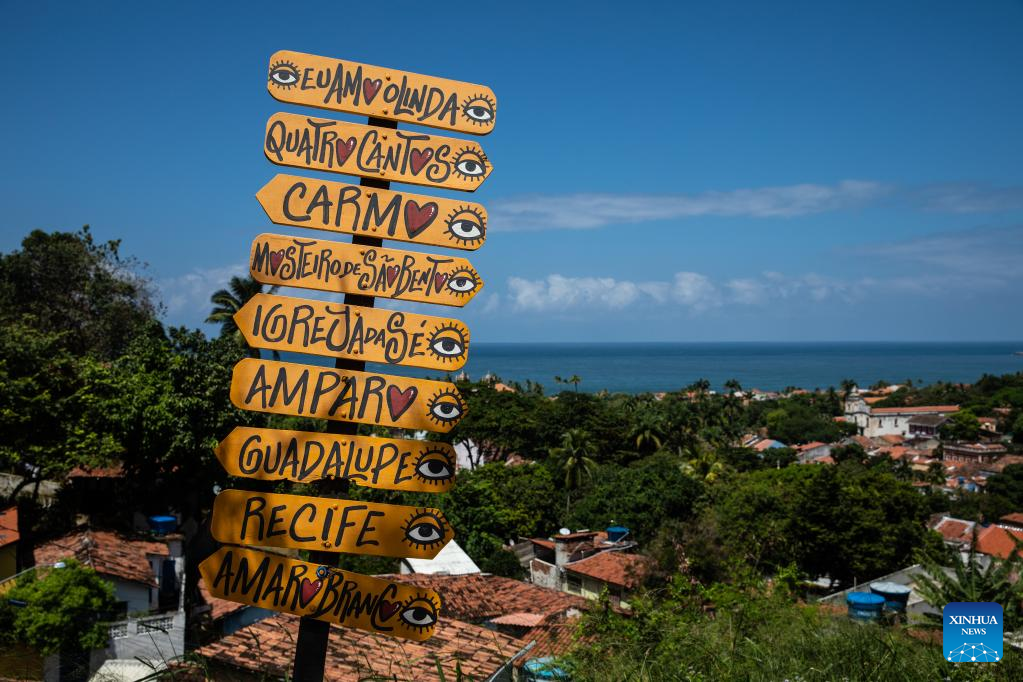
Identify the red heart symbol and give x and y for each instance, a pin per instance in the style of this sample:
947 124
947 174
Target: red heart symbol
388 608
439 279
275 260
418 159
370 88
392 274
344 150
309 590
418 219
399 401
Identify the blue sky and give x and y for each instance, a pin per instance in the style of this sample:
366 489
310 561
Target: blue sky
663 171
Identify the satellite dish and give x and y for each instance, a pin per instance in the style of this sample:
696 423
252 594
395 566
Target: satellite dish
564 531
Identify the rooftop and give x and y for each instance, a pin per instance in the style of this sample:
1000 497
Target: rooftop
615 568
218 607
268 648
451 560
9 527
918 409
111 554
477 597
997 541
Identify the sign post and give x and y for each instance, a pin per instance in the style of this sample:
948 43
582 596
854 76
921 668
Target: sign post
353 333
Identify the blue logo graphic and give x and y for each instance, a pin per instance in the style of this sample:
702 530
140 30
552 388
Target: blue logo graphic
972 632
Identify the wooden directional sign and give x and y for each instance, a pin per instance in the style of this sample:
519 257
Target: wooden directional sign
370 152
316 523
374 91
356 269
327 593
304 456
346 395
354 209
346 331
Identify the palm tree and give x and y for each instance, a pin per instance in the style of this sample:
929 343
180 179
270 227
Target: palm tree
969 581
576 452
226 302
700 462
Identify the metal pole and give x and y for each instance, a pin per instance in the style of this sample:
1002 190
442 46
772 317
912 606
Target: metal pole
311 647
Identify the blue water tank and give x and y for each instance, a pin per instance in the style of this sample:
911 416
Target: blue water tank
616 533
896 596
543 669
864 605
162 525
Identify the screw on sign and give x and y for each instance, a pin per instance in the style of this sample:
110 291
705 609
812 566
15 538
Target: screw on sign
353 333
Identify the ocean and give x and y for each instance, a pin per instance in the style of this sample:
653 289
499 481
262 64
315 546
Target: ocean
641 367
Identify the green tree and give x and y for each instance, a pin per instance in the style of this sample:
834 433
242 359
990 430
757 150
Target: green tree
227 302
85 292
963 425
575 455
63 610
969 581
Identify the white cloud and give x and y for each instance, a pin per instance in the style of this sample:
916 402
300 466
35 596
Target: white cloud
187 296
962 197
689 290
588 211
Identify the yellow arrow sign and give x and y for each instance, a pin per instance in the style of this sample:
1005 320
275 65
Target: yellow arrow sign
356 88
241 517
327 593
346 395
353 209
357 269
303 456
345 331
372 152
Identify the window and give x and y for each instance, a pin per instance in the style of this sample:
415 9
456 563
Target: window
575 584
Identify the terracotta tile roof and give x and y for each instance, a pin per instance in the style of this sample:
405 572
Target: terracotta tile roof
555 636
268 648
874 399
999 465
616 568
547 544
503 388
811 446
955 530
218 607
996 541
892 438
826 459
525 620
111 554
918 409
9 527
477 597
897 452
1015 517
114 471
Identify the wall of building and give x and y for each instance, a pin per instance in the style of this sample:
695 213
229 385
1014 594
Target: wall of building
8 560
545 574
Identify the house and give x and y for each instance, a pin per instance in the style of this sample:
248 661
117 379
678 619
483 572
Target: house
617 572
1012 521
878 421
812 451
972 453
489 626
266 649
147 575
9 537
957 533
998 542
575 563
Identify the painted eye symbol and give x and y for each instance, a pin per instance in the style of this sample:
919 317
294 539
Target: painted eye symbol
445 408
447 343
419 613
322 572
479 110
425 529
284 75
463 282
471 164
434 466
466 225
